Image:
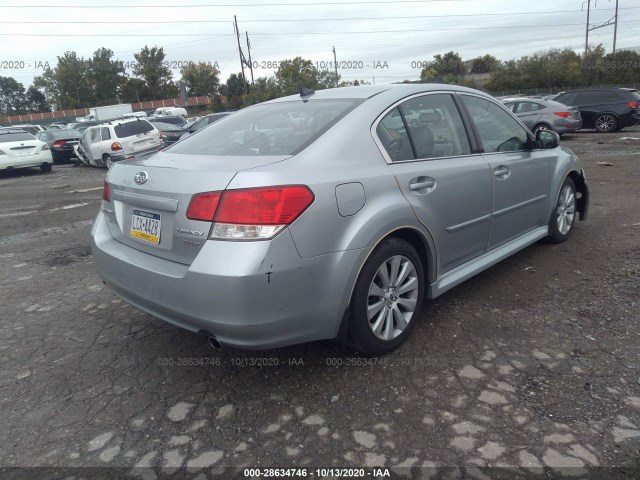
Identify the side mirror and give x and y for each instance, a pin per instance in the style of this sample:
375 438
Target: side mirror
547 139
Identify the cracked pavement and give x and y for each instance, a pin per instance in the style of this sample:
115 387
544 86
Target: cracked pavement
532 366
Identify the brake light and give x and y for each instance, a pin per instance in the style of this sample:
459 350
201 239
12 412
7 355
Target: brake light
59 143
563 114
633 104
106 192
44 147
250 214
162 135
115 146
203 206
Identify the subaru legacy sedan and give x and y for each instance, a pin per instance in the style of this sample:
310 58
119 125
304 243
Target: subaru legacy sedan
331 214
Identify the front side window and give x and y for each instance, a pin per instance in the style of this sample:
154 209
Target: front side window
498 131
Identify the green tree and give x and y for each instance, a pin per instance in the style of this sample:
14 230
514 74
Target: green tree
292 74
233 89
48 85
156 75
12 96
201 79
485 64
134 90
35 101
263 89
73 83
107 76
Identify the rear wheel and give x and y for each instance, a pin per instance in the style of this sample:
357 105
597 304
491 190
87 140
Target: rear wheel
108 162
387 298
564 214
45 167
606 123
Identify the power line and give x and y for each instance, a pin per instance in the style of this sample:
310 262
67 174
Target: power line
315 19
288 34
181 5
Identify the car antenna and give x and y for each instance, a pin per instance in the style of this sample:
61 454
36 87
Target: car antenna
305 93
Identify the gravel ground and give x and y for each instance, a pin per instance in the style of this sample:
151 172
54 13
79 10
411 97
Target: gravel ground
530 368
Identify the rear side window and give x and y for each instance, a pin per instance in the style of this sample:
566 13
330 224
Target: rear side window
434 126
267 129
499 131
526 107
15 137
130 129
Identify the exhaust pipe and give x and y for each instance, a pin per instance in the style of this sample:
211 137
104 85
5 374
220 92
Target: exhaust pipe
213 341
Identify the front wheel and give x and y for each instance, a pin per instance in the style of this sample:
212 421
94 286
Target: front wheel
564 213
387 298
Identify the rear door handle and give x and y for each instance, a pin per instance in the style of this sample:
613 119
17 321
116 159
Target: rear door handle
422 183
501 171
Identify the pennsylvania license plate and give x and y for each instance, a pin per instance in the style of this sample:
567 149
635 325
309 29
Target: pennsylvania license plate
145 226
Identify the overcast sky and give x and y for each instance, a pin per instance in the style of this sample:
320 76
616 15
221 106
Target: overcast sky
393 36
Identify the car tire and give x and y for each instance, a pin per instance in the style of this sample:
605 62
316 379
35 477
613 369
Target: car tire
45 167
564 214
108 162
540 126
383 311
605 123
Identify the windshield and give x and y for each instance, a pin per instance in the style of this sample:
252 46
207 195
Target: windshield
268 129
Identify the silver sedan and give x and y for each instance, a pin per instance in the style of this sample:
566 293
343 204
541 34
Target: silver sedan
545 114
332 214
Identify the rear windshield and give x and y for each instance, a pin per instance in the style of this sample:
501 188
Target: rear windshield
167 127
58 134
635 94
132 128
15 137
269 129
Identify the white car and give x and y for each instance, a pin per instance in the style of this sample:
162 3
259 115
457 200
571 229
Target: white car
103 145
20 149
170 111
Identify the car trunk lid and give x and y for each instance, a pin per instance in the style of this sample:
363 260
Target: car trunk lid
150 197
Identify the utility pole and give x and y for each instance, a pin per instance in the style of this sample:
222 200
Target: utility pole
586 39
235 29
615 29
249 53
612 21
335 65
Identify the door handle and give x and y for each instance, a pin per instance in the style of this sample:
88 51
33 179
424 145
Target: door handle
422 185
501 171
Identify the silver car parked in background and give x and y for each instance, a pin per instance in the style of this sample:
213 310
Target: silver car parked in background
330 215
545 115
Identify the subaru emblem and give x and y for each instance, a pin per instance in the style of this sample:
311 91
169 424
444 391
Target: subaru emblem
140 177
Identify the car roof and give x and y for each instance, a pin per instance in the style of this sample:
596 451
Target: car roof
368 91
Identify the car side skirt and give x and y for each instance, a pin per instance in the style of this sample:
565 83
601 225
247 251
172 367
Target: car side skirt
484 261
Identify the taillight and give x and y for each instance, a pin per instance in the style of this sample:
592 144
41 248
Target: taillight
59 143
115 146
106 192
44 147
163 136
250 214
563 114
633 104
203 206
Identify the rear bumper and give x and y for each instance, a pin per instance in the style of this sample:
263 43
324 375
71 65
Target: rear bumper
252 295
567 125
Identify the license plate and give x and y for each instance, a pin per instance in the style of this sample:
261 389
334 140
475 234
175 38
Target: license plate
145 226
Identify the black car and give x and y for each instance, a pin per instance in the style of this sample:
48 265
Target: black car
173 120
206 120
61 143
169 133
605 109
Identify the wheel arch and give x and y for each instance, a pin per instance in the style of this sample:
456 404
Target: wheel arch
582 203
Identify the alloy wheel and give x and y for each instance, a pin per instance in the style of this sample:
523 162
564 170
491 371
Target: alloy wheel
393 296
566 209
